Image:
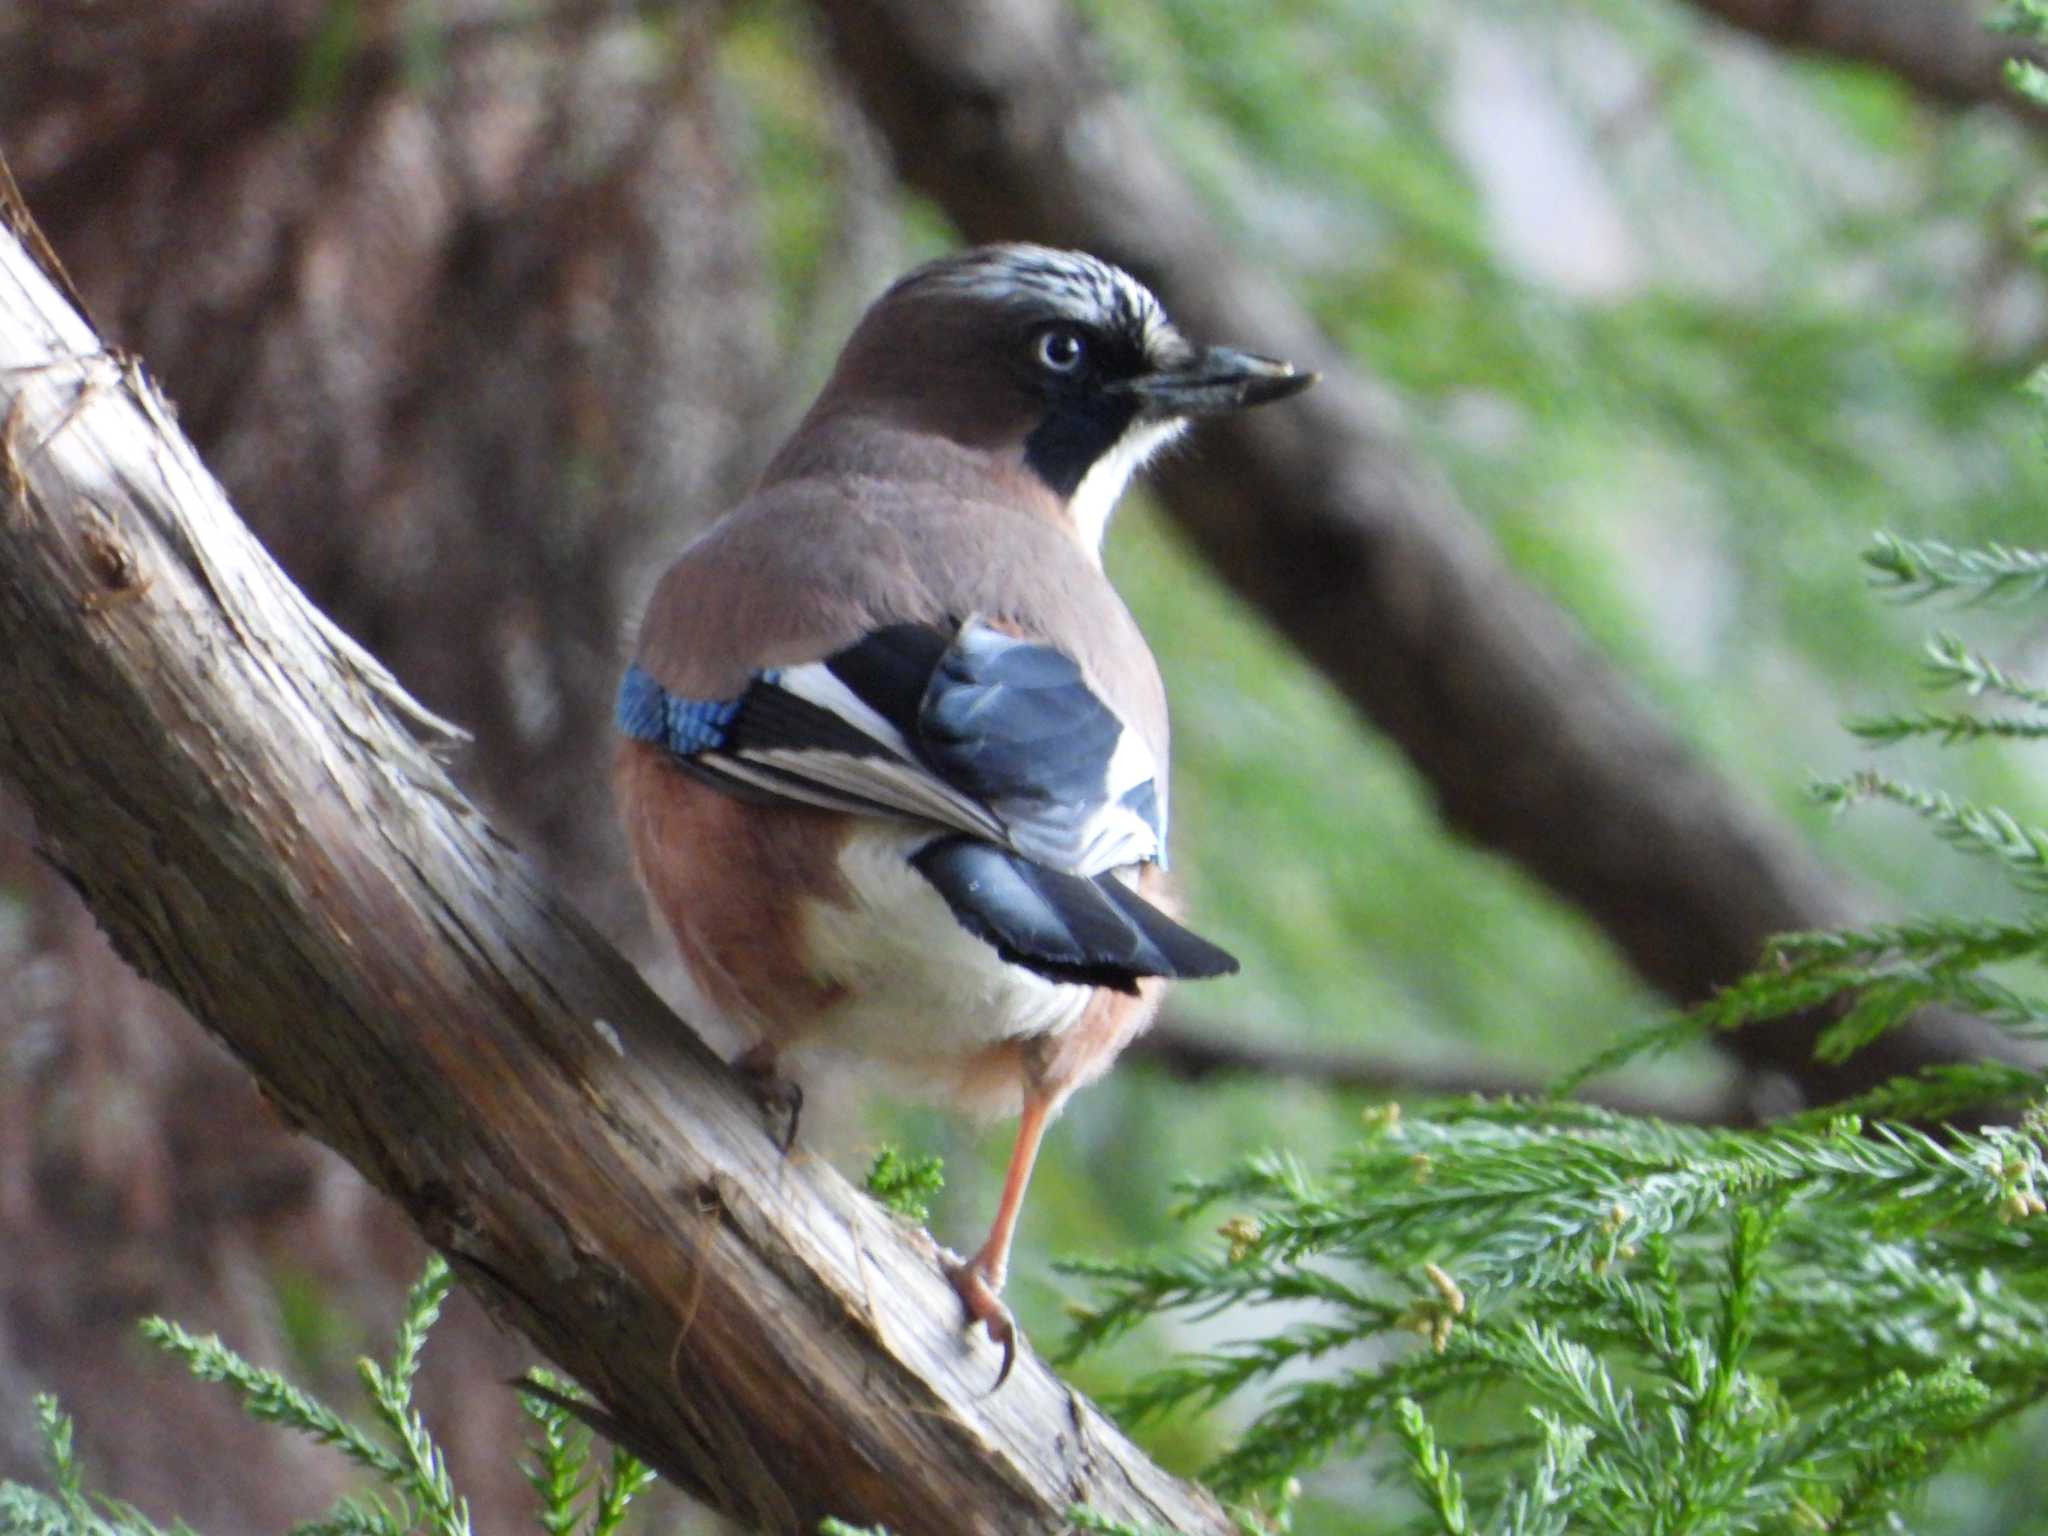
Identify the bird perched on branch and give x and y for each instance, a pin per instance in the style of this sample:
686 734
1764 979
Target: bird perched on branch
893 756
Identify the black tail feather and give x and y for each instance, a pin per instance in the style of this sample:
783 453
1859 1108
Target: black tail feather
1098 932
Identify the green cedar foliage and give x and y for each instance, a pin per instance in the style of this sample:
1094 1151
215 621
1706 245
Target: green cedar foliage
1641 1327
410 1492
1566 1319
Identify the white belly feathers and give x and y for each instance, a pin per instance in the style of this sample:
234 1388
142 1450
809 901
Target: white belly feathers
920 989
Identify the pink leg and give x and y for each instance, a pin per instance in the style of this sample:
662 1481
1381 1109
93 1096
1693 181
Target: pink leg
980 1280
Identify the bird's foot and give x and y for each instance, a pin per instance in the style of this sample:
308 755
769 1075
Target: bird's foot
779 1097
984 1306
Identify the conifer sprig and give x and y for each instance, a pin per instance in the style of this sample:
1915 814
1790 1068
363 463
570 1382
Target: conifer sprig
1560 1318
413 1493
1912 569
1636 1291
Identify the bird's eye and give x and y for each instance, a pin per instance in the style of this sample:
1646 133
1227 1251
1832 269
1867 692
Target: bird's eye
1060 350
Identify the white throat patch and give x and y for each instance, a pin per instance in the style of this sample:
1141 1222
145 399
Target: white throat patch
1096 496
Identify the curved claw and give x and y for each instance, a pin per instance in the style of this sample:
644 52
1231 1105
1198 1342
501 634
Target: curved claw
776 1094
983 1306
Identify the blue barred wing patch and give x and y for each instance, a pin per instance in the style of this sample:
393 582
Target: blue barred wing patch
648 712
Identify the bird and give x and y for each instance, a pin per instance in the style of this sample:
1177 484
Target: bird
892 755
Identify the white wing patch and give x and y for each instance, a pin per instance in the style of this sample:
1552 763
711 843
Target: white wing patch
816 683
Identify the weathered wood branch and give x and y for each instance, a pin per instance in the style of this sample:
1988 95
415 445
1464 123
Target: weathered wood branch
237 792
1327 521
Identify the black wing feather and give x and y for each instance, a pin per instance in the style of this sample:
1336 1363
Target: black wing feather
773 720
890 669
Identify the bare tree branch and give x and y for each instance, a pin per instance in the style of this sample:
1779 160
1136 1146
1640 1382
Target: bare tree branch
1940 48
1193 1053
1323 518
235 790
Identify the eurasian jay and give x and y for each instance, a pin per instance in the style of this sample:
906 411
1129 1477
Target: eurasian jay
893 755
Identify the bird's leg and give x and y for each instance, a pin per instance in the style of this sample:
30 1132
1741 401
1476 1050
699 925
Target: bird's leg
776 1094
980 1280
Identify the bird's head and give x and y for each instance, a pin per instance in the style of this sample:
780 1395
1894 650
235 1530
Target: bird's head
1060 360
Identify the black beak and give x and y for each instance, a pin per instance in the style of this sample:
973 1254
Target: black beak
1218 380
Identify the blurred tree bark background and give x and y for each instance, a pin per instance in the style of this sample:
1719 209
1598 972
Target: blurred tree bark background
467 313
475 310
